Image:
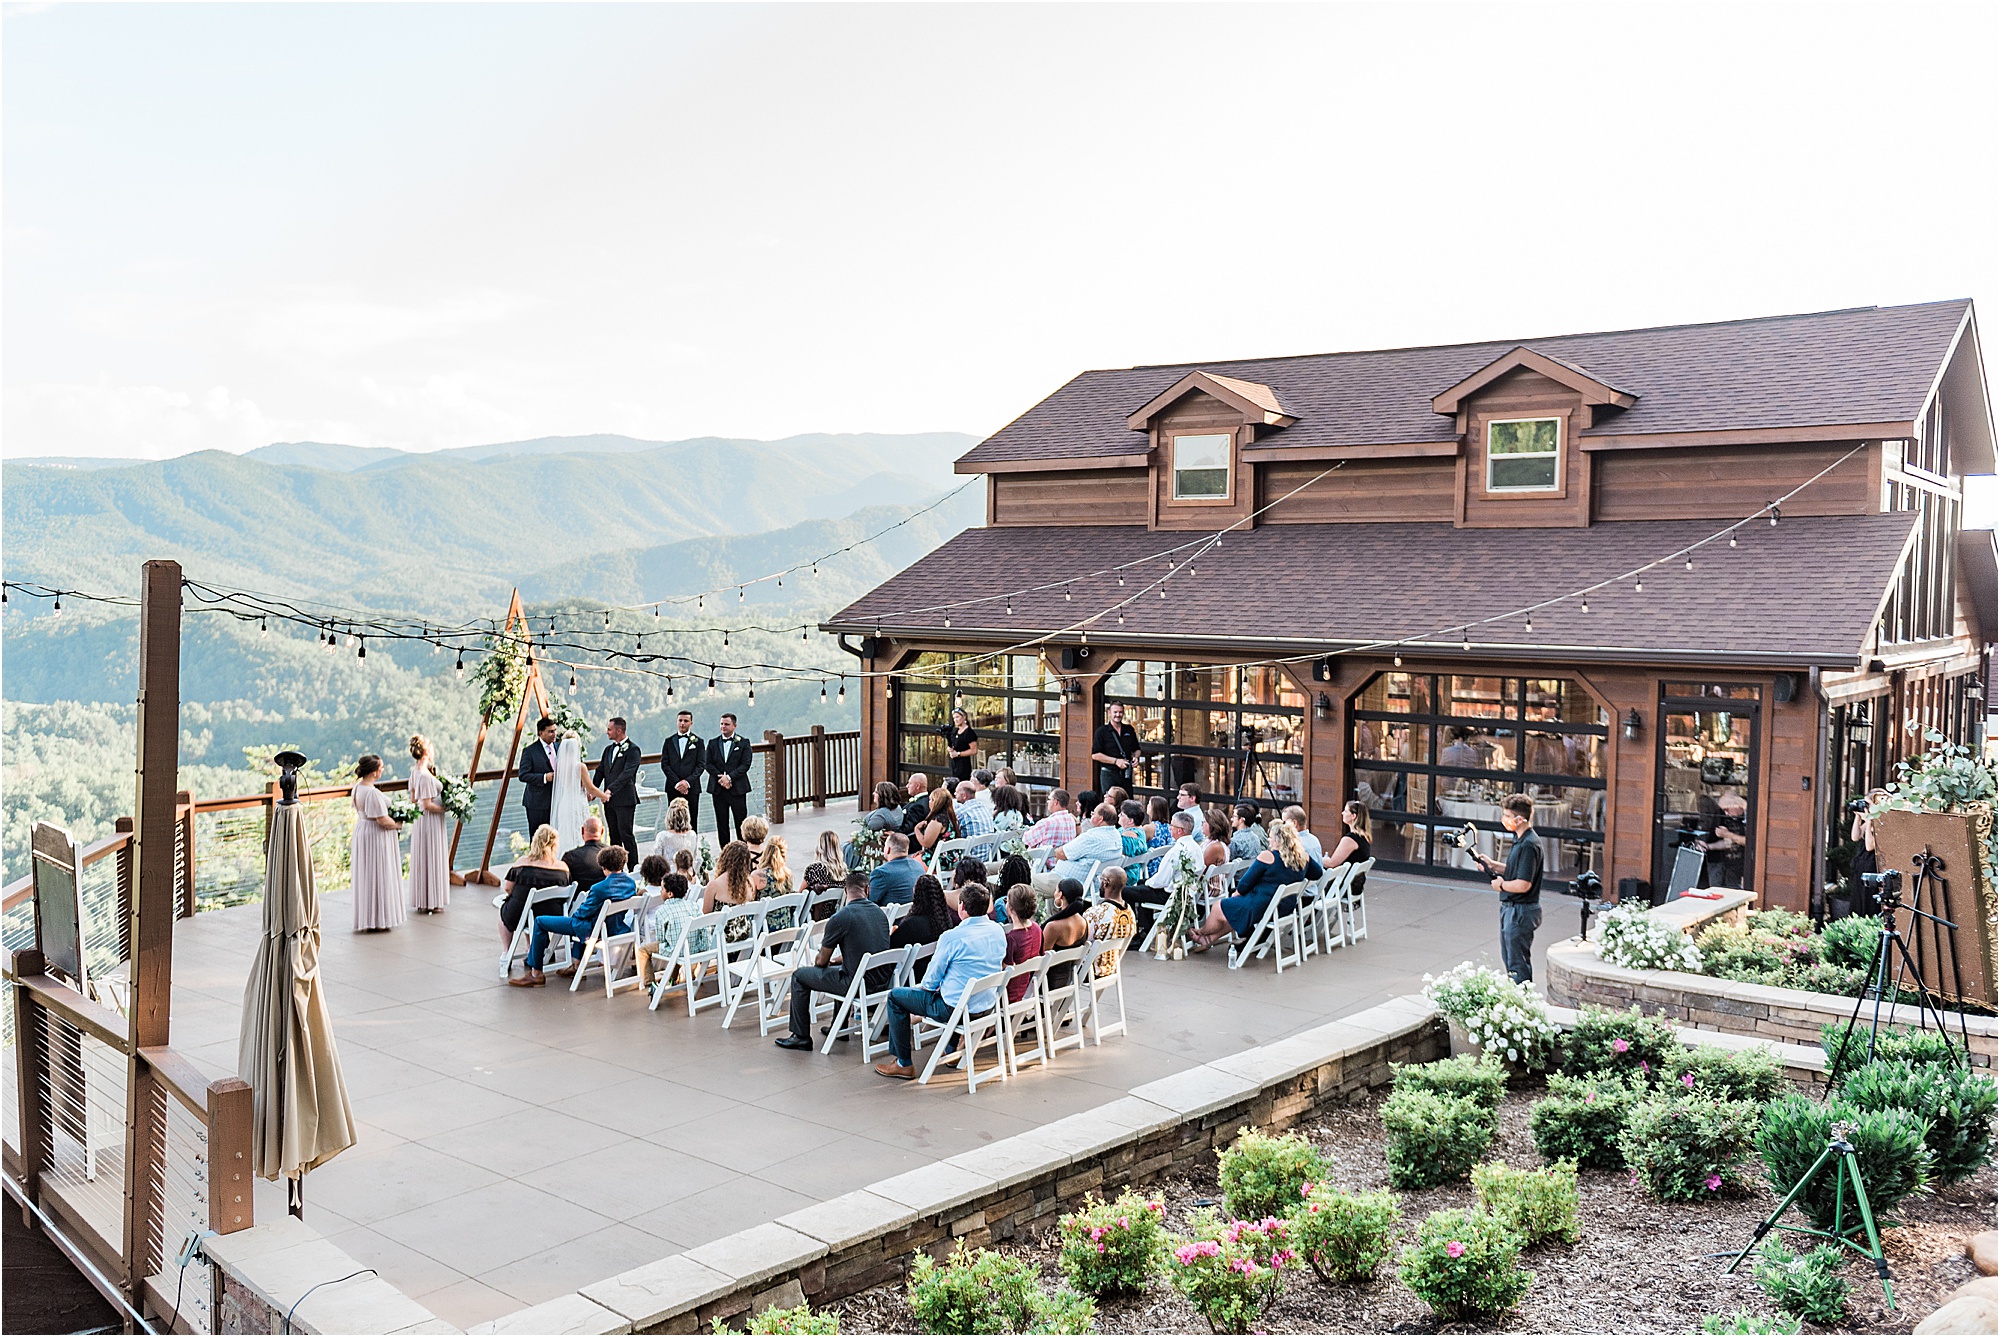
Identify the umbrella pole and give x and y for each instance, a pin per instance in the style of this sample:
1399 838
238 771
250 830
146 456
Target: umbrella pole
295 1196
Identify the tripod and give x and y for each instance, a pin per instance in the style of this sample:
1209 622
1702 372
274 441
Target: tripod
1889 944
1839 1153
1249 764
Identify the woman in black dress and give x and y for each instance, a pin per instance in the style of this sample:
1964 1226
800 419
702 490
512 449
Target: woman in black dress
960 742
929 915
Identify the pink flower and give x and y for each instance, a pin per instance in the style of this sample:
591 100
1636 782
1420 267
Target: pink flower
1159 1207
1124 1222
1713 1182
1645 1067
1687 1080
1589 1097
1454 1250
1100 1247
1620 1046
1314 1209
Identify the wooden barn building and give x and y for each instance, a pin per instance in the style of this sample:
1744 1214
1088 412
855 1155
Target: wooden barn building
1454 573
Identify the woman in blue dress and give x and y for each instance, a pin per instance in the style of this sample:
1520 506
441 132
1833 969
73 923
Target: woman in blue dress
1284 864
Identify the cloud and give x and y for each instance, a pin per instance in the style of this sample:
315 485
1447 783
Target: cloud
338 323
144 421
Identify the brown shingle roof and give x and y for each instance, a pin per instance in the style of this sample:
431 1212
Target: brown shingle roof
1872 364
1805 592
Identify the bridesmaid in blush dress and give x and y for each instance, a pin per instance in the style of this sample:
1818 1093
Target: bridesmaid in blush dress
377 861
430 838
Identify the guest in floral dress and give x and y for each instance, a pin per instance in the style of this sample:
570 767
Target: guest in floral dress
1110 920
430 838
377 853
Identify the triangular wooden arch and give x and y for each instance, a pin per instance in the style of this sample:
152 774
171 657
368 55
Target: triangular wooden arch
532 690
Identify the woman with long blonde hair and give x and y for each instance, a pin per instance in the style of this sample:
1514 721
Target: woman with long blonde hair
1283 864
543 867
678 834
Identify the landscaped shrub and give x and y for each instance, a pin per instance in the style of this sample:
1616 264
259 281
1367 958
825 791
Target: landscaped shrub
1510 1021
1633 937
1233 1272
1582 1118
1888 1144
1807 1286
1827 977
1727 1074
1784 923
1851 941
1261 1175
1344 1236
1743 1323
1537 1205
1847 1050
1434 1139
1688 1147
1733 952
1465 1265
1603 1040
976 1291
1113 1247
801 1319
1482 1080
1958 1106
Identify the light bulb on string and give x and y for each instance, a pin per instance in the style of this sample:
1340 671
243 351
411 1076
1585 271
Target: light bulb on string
822 693
1399 661
437 647
57 610
350 638
697 603
1639 585
805 633
840 697
1690 562
739 594
361 651
1732 540
656 612
1465 639
815 570
572 680
1121 617
263 627
947 621
1085 636
781 582
639 645
1163 589
1010 605
1586 603
459 667
1774 515
607 619
1066 597
1121 580
711 677
1531 624
753 692
725 638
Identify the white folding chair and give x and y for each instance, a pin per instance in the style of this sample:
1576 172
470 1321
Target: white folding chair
865 1009
1090 880
974 1031
542 901
944 847
1099 987
1353 907
1326 907
831 896
1261 935
697 954
1029 1013
602 942
894 911
742 960
1064 1003
785 950
918 953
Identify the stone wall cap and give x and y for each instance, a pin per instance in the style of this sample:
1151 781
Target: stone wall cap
849 1219
1011 1160
1282 1060
572 1313
930 1188
1198 1091
1076 1136
313 1282
284 1233
652 1291
757 1254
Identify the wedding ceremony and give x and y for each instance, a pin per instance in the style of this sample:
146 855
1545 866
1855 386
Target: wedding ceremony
545 793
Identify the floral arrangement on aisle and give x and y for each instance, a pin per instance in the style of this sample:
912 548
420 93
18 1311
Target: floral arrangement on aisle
867 846
1633 938
1179 915
1506 1019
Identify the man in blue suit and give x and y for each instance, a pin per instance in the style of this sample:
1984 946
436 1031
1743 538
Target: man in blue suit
894 881
537 772
615 885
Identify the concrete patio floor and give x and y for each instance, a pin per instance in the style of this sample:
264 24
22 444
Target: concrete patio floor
517 1144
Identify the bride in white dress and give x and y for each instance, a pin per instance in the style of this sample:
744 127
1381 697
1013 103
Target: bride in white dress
567 805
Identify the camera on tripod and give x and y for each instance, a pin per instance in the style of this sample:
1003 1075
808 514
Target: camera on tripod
1886 887
1587 886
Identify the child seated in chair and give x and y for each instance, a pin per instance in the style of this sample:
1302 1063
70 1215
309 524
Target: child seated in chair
662 928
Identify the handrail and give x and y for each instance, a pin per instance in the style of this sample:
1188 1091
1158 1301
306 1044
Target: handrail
94 1019
180 1077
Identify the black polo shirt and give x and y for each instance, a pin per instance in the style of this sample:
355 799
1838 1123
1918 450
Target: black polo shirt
1524 863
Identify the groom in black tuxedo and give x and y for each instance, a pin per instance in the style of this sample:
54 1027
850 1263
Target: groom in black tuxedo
729 779
683 759
616 782
537 772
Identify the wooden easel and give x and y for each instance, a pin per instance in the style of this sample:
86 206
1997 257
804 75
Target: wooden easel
532 690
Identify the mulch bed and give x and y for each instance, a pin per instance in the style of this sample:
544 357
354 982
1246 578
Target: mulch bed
1641 1265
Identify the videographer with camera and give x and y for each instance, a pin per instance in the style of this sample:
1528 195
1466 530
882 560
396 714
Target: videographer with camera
1114 750
1862 897
1518 883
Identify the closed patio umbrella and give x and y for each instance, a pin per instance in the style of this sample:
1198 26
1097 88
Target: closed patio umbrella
286 1052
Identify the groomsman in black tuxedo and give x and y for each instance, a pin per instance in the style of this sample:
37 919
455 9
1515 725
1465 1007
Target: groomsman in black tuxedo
616 784
537 772
683 760
729 779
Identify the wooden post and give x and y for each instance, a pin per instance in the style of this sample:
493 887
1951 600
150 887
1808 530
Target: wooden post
774 778
184 814
30 1062
156 816
478 746
231 1201
819 765
532 691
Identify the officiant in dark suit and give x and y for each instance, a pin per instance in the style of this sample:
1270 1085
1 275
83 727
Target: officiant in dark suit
615 783
537 772
683 761
729 779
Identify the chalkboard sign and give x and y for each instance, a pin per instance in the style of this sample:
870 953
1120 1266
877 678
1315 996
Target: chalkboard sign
1688 863
58 908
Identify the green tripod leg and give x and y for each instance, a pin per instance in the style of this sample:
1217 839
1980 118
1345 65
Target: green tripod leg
1846 1166
1764 1226
1875 1254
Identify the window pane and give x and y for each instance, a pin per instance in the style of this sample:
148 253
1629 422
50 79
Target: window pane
1565 754
1486 698
1535 436
1563 700
1268 685
1201 466
1523 472
1468 747
1386 741
1728 690
924 709
1401 693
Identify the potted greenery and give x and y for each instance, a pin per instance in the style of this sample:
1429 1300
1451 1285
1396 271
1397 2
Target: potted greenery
1943 802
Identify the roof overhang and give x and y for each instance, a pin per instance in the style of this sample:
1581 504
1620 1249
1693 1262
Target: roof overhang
1593 390
1257 403
1979 565
1062 464
1748 436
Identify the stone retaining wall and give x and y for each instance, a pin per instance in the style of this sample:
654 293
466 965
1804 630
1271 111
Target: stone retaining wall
837 1248
1578 976
285 1277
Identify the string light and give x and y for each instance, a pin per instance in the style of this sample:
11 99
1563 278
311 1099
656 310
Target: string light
607 621
739 594
670 691
1466 641
947 621
1066 597
459 667
753 692
57 611
1732 540
1586 603
1010 605
1531 624
656 612
840 697
1774 515
263 627
361 651
711 677
1121 617
1690 562
1399 661
572 680
822 693
1121 580
1639 586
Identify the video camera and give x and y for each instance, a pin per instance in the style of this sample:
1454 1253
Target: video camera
1857 805
1466 838
1884 888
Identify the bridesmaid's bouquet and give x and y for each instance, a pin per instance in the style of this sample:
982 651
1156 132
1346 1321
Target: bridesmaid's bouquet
404 811
456 798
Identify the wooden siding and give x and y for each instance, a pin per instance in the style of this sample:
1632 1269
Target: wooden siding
1730 482
1070 497
1361 490
1200 412
1524 394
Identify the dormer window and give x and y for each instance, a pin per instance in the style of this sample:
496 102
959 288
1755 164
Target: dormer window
1201 467
1523 454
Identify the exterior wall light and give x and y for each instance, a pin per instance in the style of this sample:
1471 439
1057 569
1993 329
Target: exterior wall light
1633 726
1323 707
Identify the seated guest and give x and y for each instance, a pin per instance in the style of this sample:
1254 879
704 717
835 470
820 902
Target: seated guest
975 819
1185 853
939 824
918 805
777 872
982 791
679 833
971 951
1097 844
754 831
1247 839
614 884
888 813
1110 920
584 868
1188 799
657 937
1086 803
1014 869
1056 829
1353 845
1024 936
738 881
540 869
1216 852
1004 776
1296 815
1284 864
1065 928
1158 827
967 871
1117 796
891 882
929 915
827 870
856 929
1010 810
1131 827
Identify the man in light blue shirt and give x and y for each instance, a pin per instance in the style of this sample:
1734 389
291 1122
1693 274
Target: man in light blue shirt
975 820
973 950
1296 815
1097 843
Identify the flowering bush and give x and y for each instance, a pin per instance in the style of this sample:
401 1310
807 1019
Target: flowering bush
1261 1175
1956 1105
1756 954
1537 1205
1631 937
1948 778
1582 1119
981 1291
1113 1247
1808 1286
1465 1265
1483 1080
1688 1147
1628 1042
1508 1020
1727 1074
1434 1139
1344 1236
1888 1145
1232 1272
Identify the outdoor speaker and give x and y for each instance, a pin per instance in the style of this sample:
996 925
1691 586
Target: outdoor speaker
872 647
1788 686
1075 657
1635 891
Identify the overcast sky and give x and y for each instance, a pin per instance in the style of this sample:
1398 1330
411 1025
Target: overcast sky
427 226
